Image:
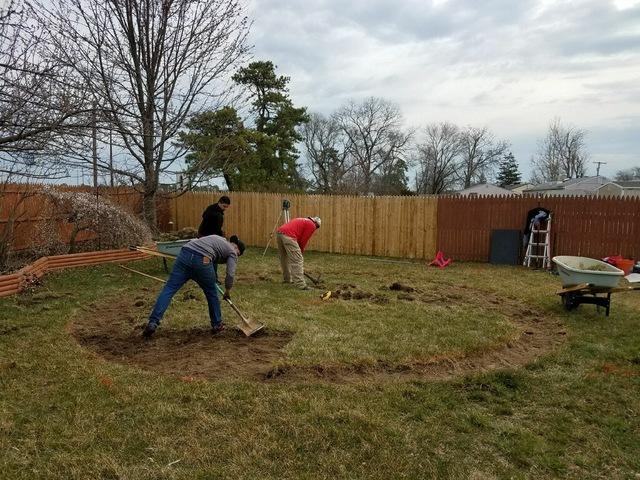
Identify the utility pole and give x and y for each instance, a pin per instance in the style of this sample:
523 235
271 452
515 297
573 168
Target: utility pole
598 167
94 132
110 158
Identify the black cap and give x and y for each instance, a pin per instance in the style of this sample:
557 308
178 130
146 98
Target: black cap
238 242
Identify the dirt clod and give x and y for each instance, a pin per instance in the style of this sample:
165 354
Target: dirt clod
349 294
398 287
361 295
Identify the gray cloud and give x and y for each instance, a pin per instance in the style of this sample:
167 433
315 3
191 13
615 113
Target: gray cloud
513 65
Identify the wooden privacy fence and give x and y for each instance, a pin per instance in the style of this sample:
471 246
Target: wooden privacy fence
416 227
383 226
584 226
406 227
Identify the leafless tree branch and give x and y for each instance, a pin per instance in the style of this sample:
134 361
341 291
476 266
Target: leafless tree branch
374 136
437 158
148 65
561 154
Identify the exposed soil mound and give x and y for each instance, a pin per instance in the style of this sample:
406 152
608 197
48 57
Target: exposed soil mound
351 292
398 287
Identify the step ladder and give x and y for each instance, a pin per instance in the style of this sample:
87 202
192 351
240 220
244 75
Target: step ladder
538 247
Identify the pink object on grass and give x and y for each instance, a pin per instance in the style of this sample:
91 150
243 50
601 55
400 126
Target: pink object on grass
440 261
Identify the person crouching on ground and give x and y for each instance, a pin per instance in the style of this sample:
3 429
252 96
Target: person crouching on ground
292 239
195 262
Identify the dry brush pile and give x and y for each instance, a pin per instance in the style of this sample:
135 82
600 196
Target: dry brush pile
84 213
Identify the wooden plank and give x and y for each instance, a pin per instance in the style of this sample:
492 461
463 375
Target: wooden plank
576 288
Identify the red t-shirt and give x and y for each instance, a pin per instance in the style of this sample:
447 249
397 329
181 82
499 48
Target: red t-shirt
300 229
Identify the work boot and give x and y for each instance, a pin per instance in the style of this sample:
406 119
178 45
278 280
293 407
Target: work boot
217 328
149 330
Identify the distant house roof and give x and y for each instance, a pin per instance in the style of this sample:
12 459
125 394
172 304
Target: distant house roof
615 184
629 183
483 189
582 183
517 185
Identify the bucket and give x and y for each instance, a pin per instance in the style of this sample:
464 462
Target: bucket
625 265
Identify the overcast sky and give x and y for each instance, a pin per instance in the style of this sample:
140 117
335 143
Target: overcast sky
510 65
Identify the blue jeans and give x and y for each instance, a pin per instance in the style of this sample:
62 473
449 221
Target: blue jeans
189 266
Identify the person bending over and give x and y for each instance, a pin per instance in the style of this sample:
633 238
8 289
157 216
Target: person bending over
195 262
292 239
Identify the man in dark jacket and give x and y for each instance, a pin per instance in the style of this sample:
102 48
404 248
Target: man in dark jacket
213 218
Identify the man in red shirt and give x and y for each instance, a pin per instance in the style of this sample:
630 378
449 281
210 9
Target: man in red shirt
292 240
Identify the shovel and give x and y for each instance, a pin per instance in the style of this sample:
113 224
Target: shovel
247 326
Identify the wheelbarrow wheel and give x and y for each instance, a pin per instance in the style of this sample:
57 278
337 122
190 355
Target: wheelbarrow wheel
569 302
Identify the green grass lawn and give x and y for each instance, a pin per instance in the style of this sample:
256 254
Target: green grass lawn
66 412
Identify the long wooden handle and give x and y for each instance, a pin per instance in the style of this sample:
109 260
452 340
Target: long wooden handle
143 274
315 281
149 251
235 309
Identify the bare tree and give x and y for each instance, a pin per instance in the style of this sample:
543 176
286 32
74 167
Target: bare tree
437 158
374 137
148 65
480 155
38 103
326 155
561 154
632 173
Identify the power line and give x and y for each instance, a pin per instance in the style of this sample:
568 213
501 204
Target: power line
598 167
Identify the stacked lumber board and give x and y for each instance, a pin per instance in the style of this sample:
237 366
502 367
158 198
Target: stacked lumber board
15 282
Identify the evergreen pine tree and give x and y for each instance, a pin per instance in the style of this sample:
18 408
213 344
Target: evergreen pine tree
508 173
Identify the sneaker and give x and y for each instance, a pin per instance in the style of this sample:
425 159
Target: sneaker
149 330
306 287
217 329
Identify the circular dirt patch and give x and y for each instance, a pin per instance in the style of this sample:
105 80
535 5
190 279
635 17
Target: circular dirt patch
112 329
